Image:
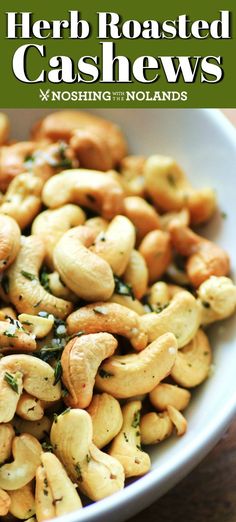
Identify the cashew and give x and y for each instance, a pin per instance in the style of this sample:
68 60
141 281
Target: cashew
125 376
36 376
217 297
36 325
29 408
13 338
12 159
171 191
7 313
182 217
39 429
106 415
9 241
182 318
5 502
7 435
26 452
89 188
144 217
178 420
85 273
55 494
157 252
4 128
116 243
155 427
158 296
193 362
80 361
97 474
50 225
131 175
97 224
22 200
59 289
204 257
136 274
25 290
126 446
128 302
98 142
109 317
22 502
168 395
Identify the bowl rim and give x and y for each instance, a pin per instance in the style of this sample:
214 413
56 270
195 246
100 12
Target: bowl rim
137 495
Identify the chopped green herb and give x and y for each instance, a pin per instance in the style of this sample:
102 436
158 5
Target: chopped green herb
38 303
55 417
45 492
171 180
47 447
100 310
78 472
57 372
5 283
136 419
66 411
28 275
11 380
44 280
104 374
224 215
77 334
125 437
122 288
88 457
9 334
64 393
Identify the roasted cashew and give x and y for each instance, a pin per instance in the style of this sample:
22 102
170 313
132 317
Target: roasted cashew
80 361
5 502
144 217
59 289
169 395
136 274
106 415
182 217
85 273
181 317
155 427
50 225
178 420
4 128
12 159
26 452
29 408
205 258
109 317
36 325
116 244
22 502
125 376
169 188
25 290
97 474
22 200
193 362
126 446
14 338
157 252
89 188
30 373
55 494
39 429
98 143
217 297
131 174
9 241
7 435
128 302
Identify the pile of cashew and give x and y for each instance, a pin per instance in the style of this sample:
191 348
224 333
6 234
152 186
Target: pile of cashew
105 297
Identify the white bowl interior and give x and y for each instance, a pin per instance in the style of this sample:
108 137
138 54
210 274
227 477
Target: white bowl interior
204 143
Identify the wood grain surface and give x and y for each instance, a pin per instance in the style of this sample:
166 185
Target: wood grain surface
208 494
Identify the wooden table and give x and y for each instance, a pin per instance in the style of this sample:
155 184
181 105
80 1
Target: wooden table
208 494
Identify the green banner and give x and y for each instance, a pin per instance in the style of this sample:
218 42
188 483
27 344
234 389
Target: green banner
117 54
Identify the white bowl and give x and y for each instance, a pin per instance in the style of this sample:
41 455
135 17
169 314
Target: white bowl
204 143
